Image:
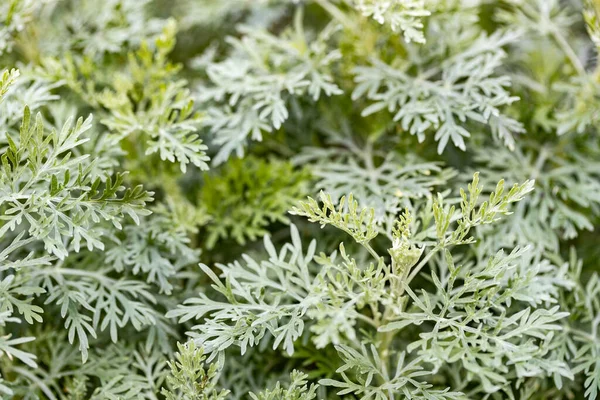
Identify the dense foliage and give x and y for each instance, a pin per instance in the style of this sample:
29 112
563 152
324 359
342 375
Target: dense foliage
167 167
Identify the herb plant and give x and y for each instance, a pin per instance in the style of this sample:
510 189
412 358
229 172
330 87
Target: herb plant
299 199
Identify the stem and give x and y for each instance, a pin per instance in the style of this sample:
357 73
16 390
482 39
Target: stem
424 261
33 378
97 275
568 50
387 337
373 172
336 13
299 26
368 320
370 250
539 164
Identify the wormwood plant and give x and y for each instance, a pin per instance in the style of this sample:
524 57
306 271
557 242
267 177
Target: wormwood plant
299 199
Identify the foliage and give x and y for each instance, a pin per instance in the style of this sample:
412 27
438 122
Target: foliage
401 15
256 80
423 174
247 195
189 380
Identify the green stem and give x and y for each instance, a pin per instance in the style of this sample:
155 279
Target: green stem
421 264
568 50
371 251
337 14
38 382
